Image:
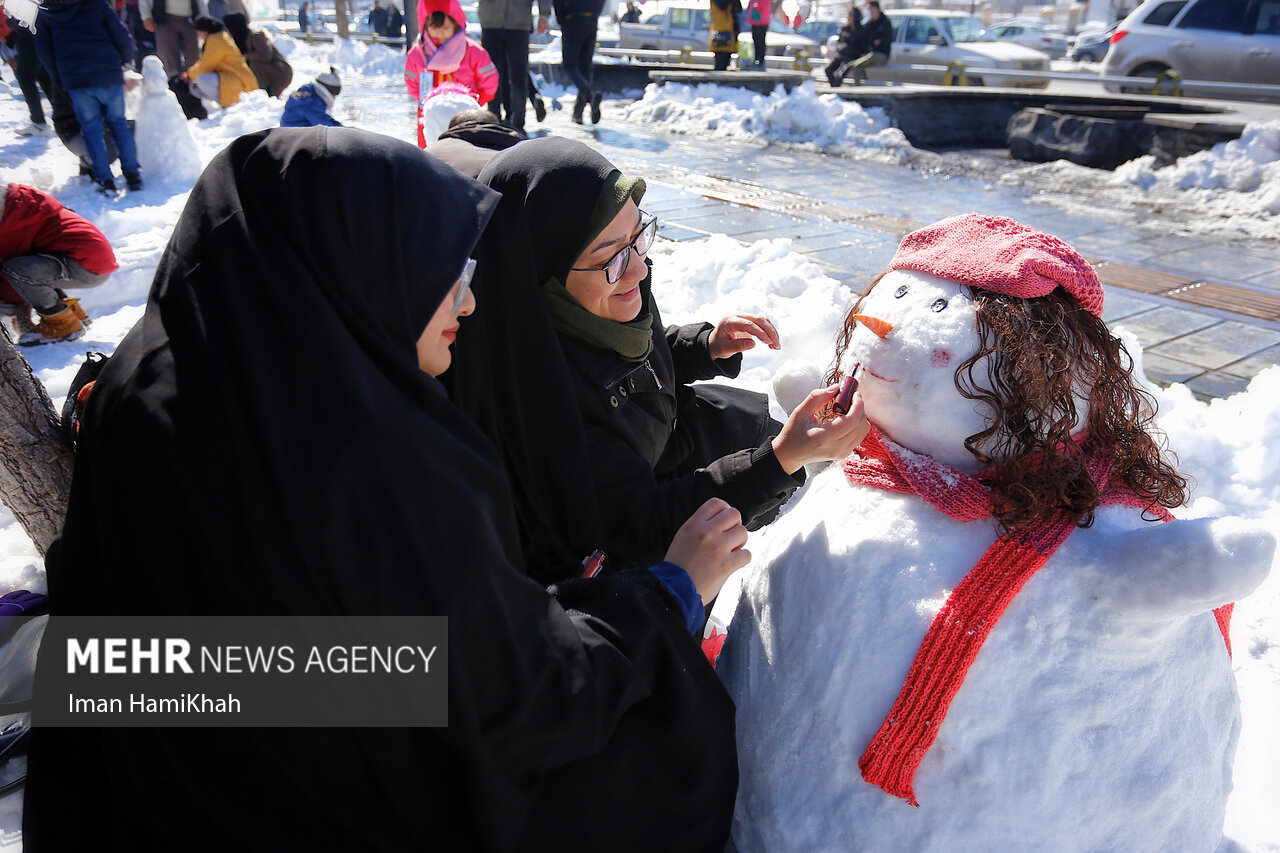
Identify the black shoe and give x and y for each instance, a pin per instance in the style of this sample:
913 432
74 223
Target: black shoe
595 108
833 82
134 182
86 170
107 187
540 109
578 106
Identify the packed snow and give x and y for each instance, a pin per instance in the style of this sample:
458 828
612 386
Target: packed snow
1223 445
802 118
1100 713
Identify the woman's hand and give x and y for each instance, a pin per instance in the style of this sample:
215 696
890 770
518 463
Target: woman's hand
805 438
734 334
709 546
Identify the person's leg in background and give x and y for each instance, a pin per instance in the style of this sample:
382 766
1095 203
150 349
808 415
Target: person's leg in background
867 60
32 77
758 34
90 109
188 42
517 68
123 134
169 48
496 46
588 60
573 37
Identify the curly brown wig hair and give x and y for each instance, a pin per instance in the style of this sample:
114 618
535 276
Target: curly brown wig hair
1046 354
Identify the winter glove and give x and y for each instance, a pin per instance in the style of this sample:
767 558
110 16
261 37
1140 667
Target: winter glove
18 603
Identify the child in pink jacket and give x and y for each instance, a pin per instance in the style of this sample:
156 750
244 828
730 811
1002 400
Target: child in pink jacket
442 53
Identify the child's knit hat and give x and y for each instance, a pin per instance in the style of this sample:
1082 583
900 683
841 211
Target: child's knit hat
998 254
330 81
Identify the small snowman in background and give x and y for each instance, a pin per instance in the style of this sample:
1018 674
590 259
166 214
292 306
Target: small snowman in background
976 633
166 149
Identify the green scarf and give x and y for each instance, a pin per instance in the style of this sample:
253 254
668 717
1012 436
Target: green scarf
631 341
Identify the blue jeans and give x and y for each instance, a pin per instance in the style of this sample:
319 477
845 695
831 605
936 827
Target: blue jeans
94 107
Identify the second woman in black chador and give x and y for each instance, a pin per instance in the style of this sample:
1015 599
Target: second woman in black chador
568 368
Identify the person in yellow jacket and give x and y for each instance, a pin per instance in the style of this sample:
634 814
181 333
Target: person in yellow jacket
220 74
726 22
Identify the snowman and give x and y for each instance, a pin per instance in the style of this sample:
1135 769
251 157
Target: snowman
166 149
978 632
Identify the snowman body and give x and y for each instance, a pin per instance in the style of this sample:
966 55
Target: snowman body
166 149
1101 712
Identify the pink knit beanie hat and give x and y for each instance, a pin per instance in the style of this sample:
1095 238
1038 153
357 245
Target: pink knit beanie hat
997 254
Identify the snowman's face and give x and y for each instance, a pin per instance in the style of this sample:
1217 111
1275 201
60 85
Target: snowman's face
907 378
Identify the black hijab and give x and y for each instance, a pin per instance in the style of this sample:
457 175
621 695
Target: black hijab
263 442
549 188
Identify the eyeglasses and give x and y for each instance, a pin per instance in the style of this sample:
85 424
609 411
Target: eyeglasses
616 267
463 284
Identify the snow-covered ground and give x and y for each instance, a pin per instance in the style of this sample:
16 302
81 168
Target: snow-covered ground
1223 445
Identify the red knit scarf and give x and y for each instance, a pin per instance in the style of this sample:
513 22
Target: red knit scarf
962 625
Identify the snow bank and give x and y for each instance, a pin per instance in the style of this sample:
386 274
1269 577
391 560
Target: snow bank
802 117
1241 165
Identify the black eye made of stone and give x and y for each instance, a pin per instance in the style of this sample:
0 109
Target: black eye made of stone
902 291
939 305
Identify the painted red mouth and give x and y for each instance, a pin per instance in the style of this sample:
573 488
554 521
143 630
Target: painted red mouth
866 369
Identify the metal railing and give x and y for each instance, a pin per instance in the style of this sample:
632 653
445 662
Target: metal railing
1169 83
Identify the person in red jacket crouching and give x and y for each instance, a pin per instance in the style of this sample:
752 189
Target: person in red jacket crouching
45 247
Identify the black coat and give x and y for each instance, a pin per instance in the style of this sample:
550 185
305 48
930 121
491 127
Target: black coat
878 34
851 42
82 44
587 474
468 146
653 460
232 465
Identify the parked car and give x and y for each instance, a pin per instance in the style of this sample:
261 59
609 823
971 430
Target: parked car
1034 35
1092 46
820 31
1232 41
940 37
689 25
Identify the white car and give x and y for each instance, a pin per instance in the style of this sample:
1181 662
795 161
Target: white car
940 37
1033 35
1230 41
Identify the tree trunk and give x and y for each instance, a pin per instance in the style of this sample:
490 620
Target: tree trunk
35 459
340 12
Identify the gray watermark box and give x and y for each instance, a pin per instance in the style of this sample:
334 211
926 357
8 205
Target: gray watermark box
294 671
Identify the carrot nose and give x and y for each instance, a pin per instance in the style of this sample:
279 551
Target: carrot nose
880 328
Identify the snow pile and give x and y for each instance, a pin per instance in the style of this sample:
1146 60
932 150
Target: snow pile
1100 713
1243 165
801 117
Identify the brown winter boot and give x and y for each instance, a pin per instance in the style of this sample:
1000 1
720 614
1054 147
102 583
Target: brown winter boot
63 326
73 303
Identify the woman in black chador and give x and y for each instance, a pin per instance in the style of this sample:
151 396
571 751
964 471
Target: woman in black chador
267 440
568 368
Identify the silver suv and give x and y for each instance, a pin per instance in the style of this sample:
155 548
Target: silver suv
1233 41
